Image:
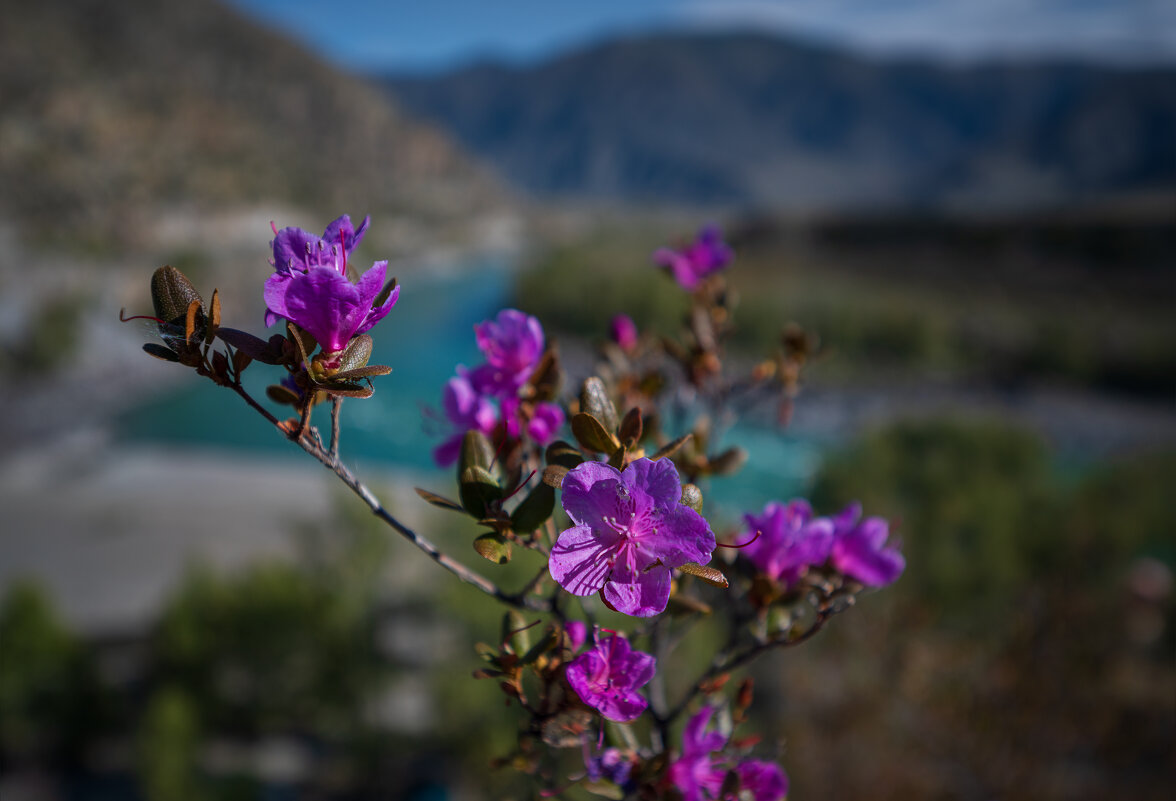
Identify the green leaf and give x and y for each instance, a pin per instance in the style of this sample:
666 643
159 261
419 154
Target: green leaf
672 448
172 293
630 430
593 435
360 372
728 462
594 400
349 390
493 547
534 509
708 574
356 354
439 501
539 648
250 345
280 394
476 451
160 352
478 489
303 340
564 454
604 788
554 474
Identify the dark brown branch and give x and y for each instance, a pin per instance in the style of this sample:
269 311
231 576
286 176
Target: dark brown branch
521 600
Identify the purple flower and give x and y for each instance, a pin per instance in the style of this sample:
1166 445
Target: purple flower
310 287
512 343
607 676
466 409
695 772
628 532
698 773
766 780
296 250
790 540
611 765
859 549
577 632
708 254
624 332
545 422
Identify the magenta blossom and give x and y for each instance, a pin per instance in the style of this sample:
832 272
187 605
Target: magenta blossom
611 765
707 254
466 409
512 343
577 632
699 772
310 287
859 548
607 676
624 332
628 532
546 420
296 250
789 541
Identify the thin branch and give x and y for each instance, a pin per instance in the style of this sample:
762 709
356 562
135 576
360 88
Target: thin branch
302 425
257 407
332 463
336 405
447 562
728 659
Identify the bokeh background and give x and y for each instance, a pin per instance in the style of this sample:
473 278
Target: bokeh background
973 204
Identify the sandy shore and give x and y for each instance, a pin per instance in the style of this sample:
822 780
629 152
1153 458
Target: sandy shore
110 530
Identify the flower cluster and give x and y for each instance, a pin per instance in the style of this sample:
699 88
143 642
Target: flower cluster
860 548
607 676
629 530
633 523
513 345
788 540
700 771
689 266
310 286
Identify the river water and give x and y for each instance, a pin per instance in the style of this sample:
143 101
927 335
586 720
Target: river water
428 333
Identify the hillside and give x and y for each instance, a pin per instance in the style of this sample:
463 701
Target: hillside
753 120
109 109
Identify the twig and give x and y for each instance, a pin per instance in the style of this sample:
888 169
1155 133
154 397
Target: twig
257 407
336 405
726 661
332 463
302 425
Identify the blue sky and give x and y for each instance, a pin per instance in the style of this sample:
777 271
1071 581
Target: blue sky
430 35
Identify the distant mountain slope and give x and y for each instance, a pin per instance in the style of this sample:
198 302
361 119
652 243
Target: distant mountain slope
111 106
756 120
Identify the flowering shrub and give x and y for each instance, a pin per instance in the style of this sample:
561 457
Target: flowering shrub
629 532
638 542
499 391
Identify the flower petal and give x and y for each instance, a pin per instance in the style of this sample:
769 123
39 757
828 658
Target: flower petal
622 707
645 597
324 303
766 780
658 479
682 536
579 561
590 493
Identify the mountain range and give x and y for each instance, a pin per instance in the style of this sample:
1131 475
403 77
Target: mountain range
753 120
112 111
